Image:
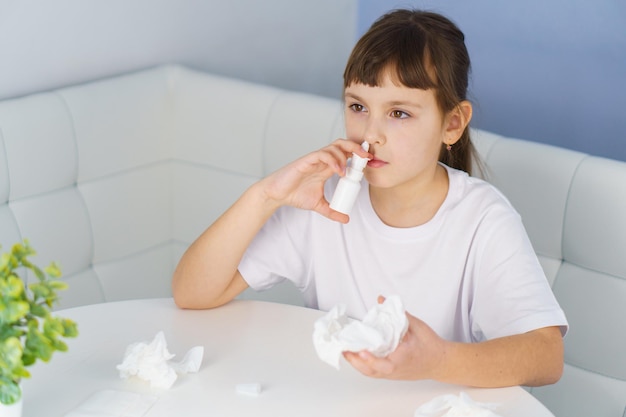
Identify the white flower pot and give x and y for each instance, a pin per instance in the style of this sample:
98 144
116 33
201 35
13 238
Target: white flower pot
13 410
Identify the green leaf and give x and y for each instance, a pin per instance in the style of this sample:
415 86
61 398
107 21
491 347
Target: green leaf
40 290
10 391
12 311
38 310
21 251
20 372
14 287
70 329
38 272
13 263
53 270
38 345
28 332
5 258
56 285
28 358
52 327
59 345
33 324
10 330
10 354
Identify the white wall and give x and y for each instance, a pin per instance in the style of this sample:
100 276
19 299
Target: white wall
551 71
46 44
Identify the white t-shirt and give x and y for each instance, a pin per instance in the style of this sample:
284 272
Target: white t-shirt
470 272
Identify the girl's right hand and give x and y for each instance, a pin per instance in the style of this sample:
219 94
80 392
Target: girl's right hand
301 183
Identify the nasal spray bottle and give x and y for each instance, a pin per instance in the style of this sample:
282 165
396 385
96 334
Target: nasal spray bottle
350 184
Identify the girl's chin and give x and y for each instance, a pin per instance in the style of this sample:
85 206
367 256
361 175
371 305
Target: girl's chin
377 181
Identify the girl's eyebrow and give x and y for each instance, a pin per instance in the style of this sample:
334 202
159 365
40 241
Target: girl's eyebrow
393 103
353 96
401 103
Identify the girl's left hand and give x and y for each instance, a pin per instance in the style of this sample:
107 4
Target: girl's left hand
420 355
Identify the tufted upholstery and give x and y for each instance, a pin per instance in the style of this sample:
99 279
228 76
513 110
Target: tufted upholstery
115 178
573 208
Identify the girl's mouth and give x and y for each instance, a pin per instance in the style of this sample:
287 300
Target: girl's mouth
376 163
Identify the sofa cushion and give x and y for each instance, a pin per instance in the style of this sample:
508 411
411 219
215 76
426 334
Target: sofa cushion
594 233
220 122
40 146
121 123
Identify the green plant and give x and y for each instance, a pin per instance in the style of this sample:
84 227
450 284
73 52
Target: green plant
28 331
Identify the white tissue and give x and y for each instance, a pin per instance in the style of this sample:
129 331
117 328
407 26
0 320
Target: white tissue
380 331
253 389
109 403
455 406
151 362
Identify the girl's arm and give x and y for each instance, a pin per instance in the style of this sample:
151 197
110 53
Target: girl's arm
207 274
534 358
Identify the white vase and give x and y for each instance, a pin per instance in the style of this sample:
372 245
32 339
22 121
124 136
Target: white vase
13 410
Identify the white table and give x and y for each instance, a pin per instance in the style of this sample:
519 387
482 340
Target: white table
244 341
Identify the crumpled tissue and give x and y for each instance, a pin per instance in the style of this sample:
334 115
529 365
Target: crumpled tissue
379 332
151 362
455 406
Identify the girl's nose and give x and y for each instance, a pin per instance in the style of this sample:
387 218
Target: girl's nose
374 132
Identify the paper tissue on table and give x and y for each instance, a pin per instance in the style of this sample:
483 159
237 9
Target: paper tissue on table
455 406
151 362
110 403
379 332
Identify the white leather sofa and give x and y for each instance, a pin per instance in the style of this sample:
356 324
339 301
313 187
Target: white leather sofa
115 178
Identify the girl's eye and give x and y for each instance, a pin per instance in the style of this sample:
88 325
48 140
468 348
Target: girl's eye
357 107
399 114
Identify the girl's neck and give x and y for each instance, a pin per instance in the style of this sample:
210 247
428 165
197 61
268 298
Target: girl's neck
411 204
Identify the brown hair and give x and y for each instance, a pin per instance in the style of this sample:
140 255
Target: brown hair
426 50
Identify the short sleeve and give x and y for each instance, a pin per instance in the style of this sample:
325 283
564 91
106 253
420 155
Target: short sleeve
278 251
511 292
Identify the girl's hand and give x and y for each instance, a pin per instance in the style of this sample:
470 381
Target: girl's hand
420 355
301 183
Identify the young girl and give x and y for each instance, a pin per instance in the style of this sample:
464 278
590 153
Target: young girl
480 309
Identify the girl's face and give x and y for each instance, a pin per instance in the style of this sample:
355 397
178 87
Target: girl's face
404 127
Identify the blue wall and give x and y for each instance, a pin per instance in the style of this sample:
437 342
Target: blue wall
550 71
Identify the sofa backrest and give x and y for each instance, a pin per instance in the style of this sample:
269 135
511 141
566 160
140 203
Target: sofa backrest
573 206
115 178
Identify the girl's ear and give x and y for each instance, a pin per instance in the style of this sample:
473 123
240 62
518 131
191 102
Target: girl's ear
456 122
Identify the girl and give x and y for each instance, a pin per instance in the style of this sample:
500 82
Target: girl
480 309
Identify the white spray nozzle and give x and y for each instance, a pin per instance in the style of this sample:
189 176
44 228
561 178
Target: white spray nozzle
359 163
